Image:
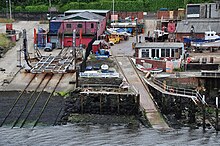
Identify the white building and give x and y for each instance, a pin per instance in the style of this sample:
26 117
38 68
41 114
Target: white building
160 50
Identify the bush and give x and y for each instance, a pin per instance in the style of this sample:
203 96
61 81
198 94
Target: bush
177 69
38 8
106 5
120 5
19 9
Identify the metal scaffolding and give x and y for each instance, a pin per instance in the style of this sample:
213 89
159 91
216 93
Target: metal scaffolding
53 64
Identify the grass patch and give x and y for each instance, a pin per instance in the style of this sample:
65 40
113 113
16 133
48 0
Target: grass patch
62 93
44 22
4 20
4 41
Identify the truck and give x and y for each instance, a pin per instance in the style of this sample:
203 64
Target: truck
114 38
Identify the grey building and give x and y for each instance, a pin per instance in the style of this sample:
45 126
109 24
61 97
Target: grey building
203 10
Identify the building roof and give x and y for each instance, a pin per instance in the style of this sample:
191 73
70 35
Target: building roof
159 45
200 25
97 42
92 11
84 16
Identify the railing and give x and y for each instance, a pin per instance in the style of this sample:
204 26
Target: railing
100 75
173 89
210 73
182 91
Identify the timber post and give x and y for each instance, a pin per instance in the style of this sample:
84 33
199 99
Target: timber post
81 104
118 102
203 113
216 125
100 104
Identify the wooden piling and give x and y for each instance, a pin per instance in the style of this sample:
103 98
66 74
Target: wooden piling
77 77
138 102
192 118
178 113
118 104
81 104
100 104
203 113
216 125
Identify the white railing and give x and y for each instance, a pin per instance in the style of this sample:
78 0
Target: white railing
175 90
99 75
208 73
182 91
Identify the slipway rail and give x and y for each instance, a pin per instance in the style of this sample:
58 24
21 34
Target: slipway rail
46 103
17 99
35 101
29 99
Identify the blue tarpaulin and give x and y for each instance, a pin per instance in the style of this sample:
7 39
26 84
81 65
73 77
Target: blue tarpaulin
187 40
129 30
120 30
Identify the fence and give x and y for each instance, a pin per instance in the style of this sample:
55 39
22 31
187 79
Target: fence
29 16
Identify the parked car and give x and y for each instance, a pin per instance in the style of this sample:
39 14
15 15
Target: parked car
48 47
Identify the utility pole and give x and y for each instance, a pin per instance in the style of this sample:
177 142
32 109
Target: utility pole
113 9
10 10
50 3
6 8
74 48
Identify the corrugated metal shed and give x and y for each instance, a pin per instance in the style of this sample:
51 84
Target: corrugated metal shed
84 15
92 11
200 25
159 45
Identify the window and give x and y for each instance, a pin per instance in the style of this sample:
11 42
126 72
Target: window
68 25
163 53
167 52
145 53
157 52
79 25
92 25
172 52
153 53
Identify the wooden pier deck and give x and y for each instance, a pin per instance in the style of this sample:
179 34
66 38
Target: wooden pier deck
155 118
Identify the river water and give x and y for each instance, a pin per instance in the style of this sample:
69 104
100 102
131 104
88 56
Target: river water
96 135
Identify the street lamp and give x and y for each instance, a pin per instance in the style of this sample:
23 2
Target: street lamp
136 20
